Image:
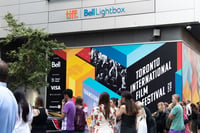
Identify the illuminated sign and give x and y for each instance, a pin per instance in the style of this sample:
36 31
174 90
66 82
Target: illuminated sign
103 12
71 14
93 12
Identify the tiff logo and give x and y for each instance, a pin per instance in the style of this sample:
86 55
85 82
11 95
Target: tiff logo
71 14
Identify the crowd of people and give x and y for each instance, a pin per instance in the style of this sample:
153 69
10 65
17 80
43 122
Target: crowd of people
127 116
190 119
17 115
111 115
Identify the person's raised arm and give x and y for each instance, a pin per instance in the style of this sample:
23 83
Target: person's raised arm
121 110
62 110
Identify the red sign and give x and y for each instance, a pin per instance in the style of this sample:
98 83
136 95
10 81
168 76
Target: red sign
71 14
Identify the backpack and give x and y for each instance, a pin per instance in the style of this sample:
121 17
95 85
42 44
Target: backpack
168 121
79 122
198 119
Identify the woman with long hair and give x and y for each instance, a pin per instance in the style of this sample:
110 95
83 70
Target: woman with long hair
81 116
40 116
25 113
103 116
128 112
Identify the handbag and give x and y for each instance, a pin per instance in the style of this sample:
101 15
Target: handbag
186 121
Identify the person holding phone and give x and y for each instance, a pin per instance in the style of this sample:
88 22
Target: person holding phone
68 112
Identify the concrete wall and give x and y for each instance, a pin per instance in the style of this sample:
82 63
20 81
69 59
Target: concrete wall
190 41
131 35
119 36
32 12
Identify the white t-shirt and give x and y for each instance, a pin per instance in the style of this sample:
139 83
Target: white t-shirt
21 126
188 109
142 125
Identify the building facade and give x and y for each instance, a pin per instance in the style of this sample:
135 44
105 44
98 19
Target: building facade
102 22
91 23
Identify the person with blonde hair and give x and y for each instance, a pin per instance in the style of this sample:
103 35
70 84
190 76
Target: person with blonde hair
141 118
161 118
161 106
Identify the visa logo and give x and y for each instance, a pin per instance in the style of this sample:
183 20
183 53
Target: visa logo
55 87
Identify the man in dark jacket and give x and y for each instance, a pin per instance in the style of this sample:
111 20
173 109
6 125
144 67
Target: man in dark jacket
151 124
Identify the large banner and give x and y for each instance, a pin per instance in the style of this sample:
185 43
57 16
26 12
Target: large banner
191 74
151 72
56 80
151 79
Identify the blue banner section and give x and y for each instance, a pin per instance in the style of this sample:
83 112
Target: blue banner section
92 90
127 55
178 83
90 96
141 52
93 84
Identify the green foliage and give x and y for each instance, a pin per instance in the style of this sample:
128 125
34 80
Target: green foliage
32 59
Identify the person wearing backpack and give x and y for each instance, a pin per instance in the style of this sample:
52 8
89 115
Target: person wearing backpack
80 116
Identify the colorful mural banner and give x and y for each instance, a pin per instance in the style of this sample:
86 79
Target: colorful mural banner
152 72
191 74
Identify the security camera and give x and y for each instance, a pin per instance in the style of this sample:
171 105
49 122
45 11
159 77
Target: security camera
188 28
